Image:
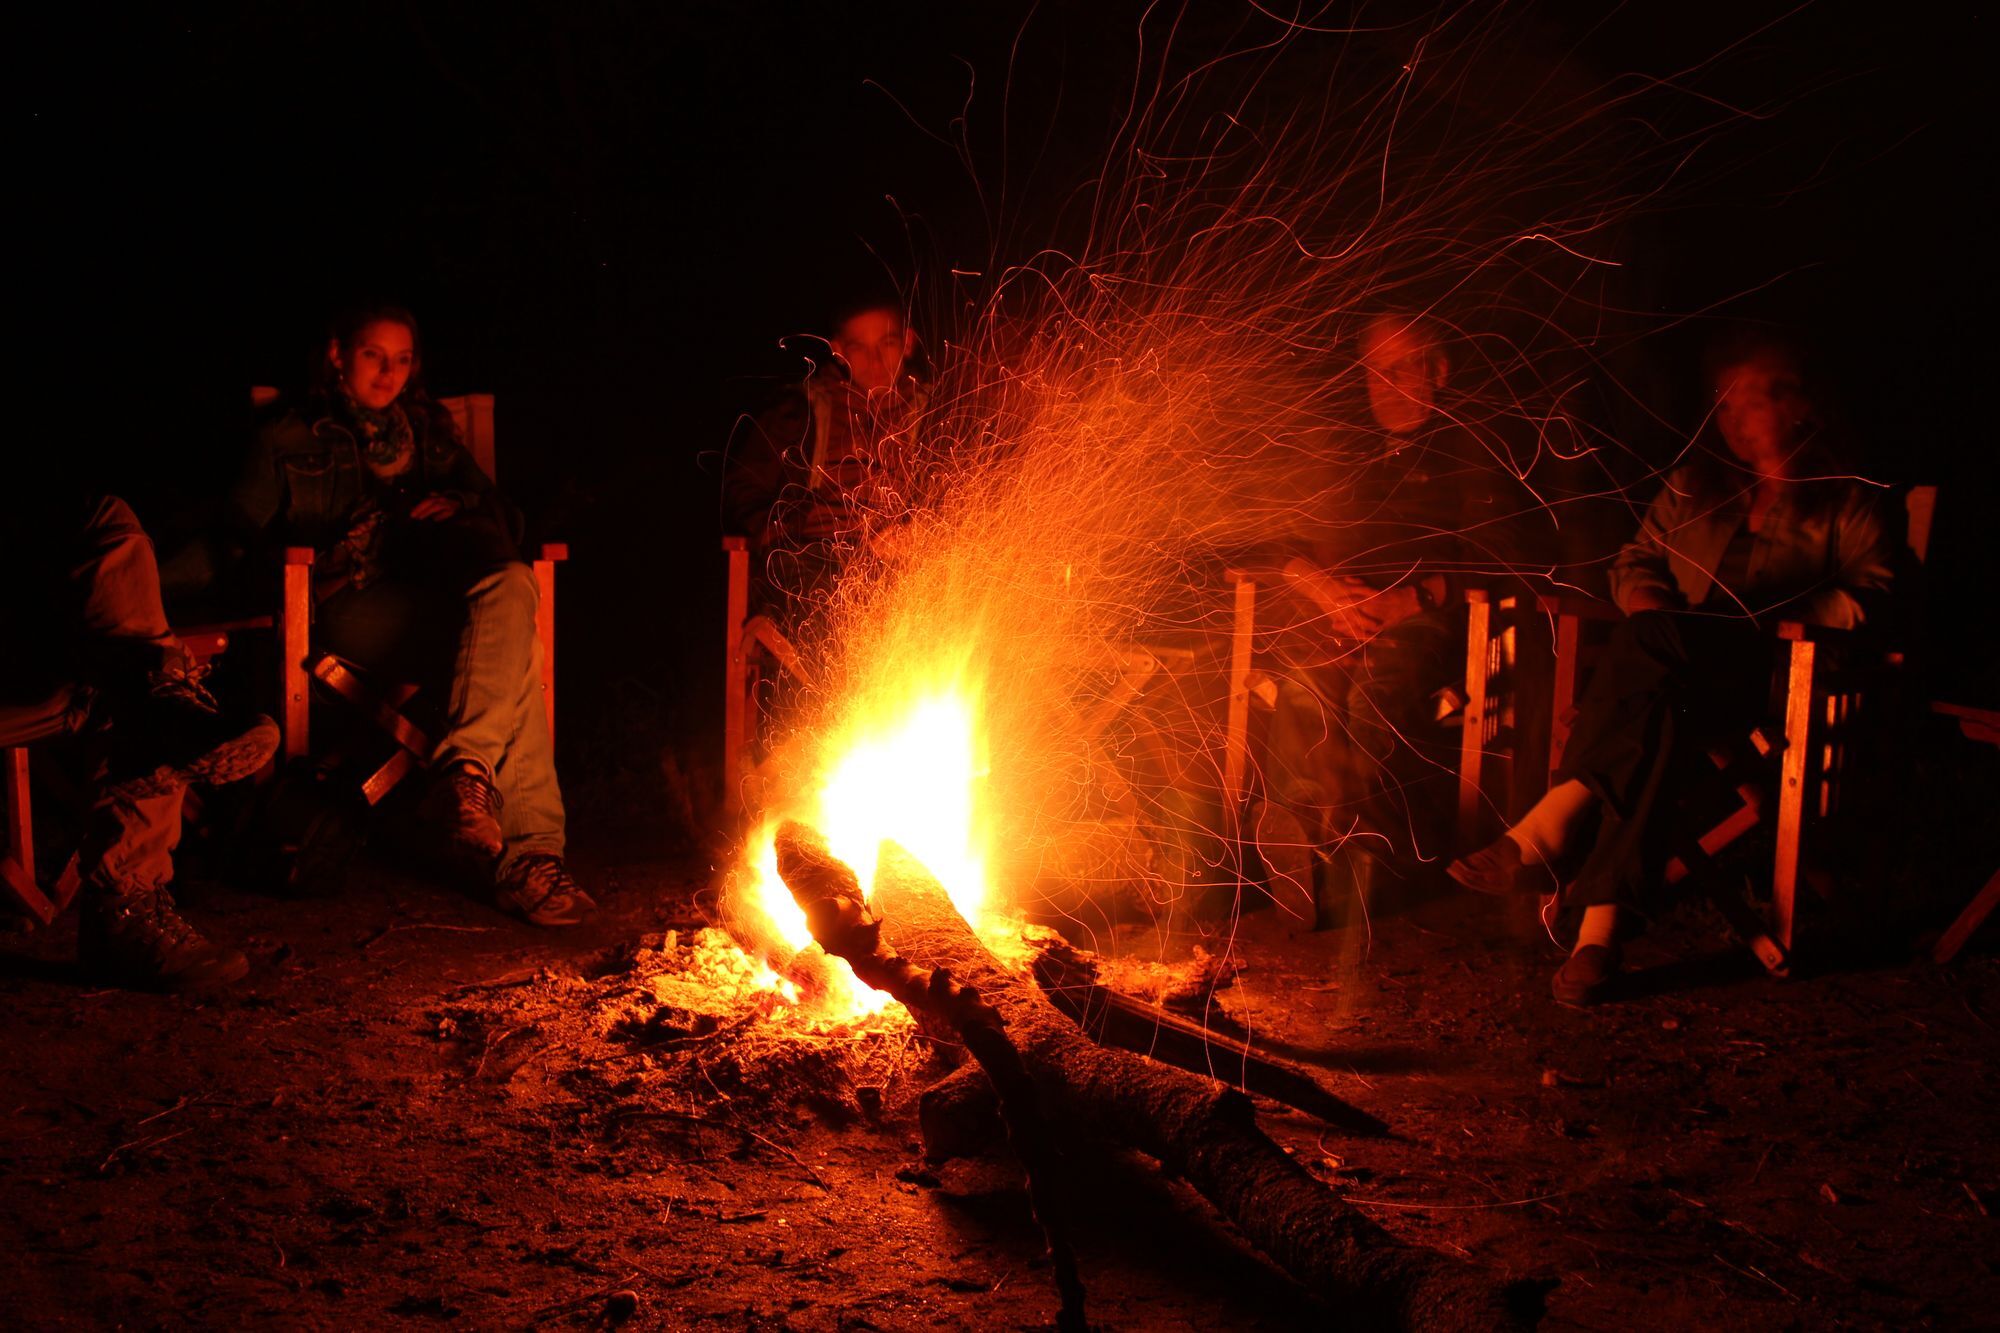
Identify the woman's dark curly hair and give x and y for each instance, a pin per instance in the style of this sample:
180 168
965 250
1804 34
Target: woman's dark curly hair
346 328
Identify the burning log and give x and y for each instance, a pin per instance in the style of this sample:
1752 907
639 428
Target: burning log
837 914
1194 1127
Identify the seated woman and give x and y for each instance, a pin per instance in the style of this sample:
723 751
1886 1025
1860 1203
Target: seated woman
1761 531
416 574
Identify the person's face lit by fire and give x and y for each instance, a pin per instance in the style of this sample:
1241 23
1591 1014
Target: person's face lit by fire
377 364
873 343
1761 410
1405 370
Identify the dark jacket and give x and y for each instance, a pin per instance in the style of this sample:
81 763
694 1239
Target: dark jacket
1441 502
305 477
826 462
1828 565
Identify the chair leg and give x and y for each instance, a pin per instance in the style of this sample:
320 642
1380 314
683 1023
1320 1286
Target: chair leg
1792 783
1968 921
1236 754
17 858
294 641
736 680
545 623
1472 735
17 861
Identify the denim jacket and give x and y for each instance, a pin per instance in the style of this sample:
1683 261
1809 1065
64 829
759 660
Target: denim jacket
1829 566
306 477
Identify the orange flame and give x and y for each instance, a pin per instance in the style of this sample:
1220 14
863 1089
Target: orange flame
914 775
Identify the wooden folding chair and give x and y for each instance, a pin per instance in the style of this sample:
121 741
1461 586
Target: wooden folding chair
1831 679
298 665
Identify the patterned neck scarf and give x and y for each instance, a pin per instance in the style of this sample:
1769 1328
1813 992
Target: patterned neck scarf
387 442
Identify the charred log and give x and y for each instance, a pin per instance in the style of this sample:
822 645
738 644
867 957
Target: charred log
1112 1019
1195 1128
838 916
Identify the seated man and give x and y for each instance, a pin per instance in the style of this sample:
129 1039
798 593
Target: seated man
1764 528
417 576
80 611
1347 741
822 475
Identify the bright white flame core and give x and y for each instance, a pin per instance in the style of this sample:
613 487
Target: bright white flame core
915 780
917 785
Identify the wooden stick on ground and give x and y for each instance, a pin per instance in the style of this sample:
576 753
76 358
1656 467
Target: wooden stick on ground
1195 1128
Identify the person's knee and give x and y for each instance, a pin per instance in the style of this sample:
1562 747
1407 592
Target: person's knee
512 584
112 523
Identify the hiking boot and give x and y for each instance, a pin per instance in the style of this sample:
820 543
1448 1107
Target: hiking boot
135 940
1586 976
464 805
538 889
174 732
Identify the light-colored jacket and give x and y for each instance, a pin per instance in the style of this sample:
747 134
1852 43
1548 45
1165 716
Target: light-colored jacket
1831 565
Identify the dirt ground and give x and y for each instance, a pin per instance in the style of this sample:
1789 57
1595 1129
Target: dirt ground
415 1111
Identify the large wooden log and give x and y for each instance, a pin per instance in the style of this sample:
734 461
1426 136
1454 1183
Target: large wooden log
838 916
1198 1129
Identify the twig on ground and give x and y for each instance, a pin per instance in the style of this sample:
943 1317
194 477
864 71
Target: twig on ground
180 1105
387 931
674 1043
1453 1207
105 1165
649 1113
501 982
1751 1270
494 1044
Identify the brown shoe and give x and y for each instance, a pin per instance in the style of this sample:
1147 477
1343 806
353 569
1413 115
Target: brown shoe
464 805
1586 976
135 940
1497 869
538 889
173 732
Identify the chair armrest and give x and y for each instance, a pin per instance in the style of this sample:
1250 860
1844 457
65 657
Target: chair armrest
1795 631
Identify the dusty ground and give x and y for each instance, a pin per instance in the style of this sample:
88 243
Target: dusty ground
392 1121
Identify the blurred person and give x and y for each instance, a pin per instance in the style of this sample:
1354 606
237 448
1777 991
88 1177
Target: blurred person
417 575
822 474
1762 529
1349 741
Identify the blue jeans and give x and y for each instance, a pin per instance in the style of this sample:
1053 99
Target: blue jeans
480 638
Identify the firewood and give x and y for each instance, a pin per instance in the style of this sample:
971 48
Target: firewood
1109 1018
838 916
1197 1129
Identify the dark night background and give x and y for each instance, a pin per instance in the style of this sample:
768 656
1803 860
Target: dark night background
607 214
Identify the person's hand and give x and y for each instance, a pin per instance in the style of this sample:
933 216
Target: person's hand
358 557
1356 610
437 508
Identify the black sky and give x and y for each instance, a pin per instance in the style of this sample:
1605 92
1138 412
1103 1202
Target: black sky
607 214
